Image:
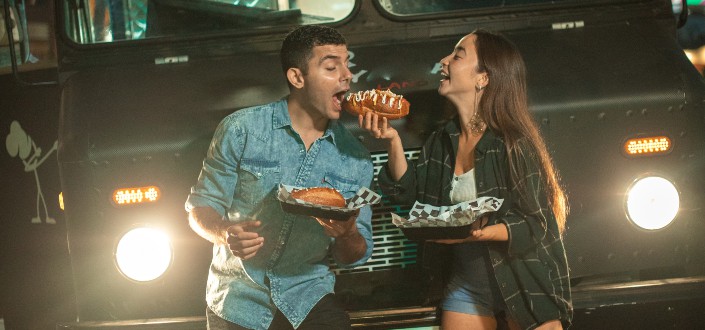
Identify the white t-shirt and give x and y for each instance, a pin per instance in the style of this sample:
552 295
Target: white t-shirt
463 187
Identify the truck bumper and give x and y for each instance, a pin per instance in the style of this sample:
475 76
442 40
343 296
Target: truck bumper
585 297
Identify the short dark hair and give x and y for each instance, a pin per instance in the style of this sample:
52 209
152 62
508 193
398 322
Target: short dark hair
297 47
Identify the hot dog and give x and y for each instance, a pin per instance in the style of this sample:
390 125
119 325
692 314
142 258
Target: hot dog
381 102
320 195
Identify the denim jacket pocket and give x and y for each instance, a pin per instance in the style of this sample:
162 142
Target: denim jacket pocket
347 187
257 178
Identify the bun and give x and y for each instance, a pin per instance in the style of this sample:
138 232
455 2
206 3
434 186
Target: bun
383 103
320 195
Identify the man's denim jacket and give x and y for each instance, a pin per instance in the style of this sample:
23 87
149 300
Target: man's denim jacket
254 150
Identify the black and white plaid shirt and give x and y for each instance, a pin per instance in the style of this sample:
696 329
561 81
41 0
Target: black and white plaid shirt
531 268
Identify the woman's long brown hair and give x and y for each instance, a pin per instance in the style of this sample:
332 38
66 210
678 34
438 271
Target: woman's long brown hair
504 107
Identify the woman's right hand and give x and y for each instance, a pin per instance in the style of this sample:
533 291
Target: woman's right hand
378 127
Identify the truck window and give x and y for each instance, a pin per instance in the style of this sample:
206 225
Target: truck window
103 21
425 7
31 26
5 37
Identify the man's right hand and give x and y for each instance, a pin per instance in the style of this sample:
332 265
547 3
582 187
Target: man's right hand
242 242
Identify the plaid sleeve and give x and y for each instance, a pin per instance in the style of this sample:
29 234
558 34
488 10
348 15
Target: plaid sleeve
526 218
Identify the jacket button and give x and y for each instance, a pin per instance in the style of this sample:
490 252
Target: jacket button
504 285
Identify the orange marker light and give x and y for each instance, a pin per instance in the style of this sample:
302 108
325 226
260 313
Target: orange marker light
138 195
648 146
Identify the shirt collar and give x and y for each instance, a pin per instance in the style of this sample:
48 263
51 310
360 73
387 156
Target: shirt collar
452 128
333 126
486 141
280 115
281 119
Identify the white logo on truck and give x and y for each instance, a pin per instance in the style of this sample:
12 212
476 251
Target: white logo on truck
21 145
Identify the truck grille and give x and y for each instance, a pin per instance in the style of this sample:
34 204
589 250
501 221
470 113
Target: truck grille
392 249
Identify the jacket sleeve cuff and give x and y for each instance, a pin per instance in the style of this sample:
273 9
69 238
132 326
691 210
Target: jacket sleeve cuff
364 227
193 201
519 233
402 191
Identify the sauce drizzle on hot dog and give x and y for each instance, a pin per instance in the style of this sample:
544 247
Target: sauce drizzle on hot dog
384 103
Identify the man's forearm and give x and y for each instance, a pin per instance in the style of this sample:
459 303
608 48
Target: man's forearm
349 247
207 223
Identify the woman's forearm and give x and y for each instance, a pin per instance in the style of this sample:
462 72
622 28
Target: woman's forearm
397 159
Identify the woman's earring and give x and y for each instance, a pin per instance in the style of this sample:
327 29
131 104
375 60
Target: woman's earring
476 124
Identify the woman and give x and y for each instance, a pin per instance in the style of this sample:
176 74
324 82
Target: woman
512 266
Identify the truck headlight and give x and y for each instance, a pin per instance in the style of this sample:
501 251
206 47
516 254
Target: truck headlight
652 202
143 254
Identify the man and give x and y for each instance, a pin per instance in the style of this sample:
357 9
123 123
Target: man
270 268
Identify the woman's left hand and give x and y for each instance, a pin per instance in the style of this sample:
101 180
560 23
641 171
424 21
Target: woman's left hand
475 235
478 232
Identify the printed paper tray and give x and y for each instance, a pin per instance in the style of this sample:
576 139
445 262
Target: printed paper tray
289 204
444 222
427 233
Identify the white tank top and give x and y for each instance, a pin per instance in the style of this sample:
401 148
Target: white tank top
463 187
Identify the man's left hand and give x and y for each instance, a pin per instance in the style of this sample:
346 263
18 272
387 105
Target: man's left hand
339 228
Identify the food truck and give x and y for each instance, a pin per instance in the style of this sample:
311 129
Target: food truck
104 144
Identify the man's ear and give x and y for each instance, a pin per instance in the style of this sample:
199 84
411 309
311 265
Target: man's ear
295 77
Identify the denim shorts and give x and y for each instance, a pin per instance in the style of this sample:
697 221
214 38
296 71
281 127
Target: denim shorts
475 298
472 288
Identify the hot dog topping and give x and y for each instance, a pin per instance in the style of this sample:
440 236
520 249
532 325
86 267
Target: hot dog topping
374 94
